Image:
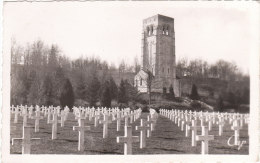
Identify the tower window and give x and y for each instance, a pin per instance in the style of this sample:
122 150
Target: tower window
168 70
163 69
141 81
163 30
148 31
151 30
167 31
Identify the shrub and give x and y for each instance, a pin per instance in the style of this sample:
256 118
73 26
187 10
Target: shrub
194 93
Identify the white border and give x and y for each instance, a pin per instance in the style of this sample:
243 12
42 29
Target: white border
254 115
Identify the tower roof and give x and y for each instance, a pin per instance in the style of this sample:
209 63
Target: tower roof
160 17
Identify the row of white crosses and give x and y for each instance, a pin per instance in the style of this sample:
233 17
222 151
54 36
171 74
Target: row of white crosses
145 129
27 112
81 114
190 119
109 115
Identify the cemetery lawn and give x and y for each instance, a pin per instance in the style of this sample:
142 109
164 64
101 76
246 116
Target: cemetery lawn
167 138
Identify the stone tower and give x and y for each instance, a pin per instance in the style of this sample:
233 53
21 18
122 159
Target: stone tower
158 55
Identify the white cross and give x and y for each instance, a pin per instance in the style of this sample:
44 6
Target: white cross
142 128
30 111
153 121
24 114
187 124
180 118
62 118
54 123
194 129
48 115
128 139
81 128
210 123
96 118
148 123
221 124
126 118
37 118
26 144
205 138
202 118
66 110
131 117
16 114
118 120
105 122
236 127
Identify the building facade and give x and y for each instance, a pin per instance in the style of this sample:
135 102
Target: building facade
158 56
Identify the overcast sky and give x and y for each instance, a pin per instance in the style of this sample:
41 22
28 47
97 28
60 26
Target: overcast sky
112 30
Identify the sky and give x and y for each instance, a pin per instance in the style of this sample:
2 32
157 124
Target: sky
112 30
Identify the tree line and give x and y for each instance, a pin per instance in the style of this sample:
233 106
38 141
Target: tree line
198 68
41 75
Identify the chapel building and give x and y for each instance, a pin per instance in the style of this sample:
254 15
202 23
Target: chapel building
158 56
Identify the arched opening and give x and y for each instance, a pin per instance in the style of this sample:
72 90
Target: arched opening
151 30
148 31
163 30
167 30
141 81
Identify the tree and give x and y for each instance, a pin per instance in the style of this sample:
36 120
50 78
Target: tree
131 91
67 94
171 94
220 104
46 92
106 95
246 96
137 66
19 88
194 93
53 57
231 98
93 89
33 96
113 88
122 93
58 78
81 87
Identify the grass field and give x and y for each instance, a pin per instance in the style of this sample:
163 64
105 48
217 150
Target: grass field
167 138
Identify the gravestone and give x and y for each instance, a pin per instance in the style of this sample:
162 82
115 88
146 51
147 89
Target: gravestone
37 118
236 127
54 123
96 118
26 140
105 122
148 123
24 114
194 129
81 128
16 112
128 139
205 138
221 124
142 128
62 118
